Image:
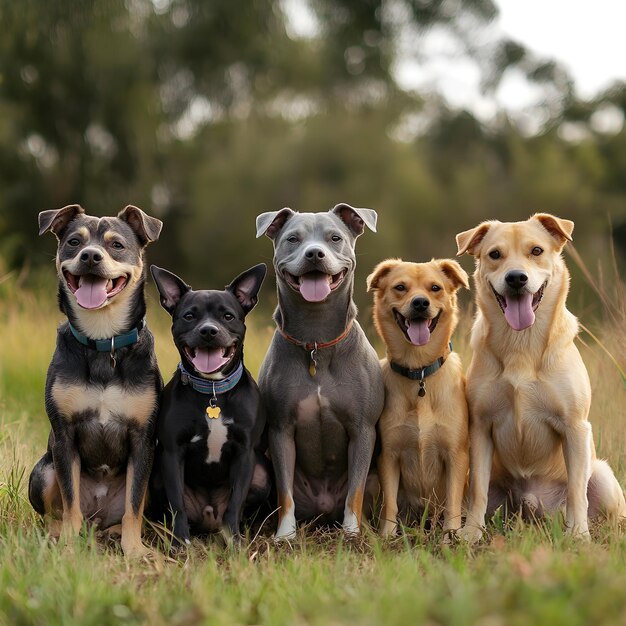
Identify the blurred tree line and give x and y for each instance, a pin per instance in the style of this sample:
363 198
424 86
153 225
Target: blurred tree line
207 112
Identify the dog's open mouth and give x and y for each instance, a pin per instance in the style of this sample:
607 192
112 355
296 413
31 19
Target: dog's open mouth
209 360
315 286
419 330
519 309
93 291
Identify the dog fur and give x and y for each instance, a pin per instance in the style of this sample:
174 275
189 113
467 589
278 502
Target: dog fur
531 445
424 439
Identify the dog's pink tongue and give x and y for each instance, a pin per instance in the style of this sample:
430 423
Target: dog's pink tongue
208 361
519 311
92 292
314 287
418 332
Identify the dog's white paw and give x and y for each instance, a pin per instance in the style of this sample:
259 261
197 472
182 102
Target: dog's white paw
351 525
579 531
286 529
470 534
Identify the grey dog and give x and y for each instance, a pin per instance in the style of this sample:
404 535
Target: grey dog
321 380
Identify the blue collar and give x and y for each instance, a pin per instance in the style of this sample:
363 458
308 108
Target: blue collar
211 387
421 372
112 343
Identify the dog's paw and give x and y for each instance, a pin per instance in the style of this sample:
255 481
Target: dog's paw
351 526
286 530
579 531
470 534
134 549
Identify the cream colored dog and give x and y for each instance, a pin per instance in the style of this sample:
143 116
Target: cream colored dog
531 446
424 425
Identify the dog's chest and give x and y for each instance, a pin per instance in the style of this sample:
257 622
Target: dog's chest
214 435
103 403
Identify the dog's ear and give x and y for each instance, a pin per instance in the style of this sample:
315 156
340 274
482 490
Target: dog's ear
171 288
380 271
454 272
469 240
559 228
356 219
270 223
57 220
145 227
246 286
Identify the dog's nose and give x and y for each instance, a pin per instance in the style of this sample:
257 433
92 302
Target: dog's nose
516 279
91 256
209 330
314 252
420 304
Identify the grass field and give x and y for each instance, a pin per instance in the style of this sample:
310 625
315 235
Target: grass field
521 575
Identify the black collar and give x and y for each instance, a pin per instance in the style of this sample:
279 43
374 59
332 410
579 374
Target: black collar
420 373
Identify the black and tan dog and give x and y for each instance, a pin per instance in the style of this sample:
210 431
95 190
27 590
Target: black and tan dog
209 463
103 383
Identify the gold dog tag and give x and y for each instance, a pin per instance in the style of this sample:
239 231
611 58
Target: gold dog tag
213 412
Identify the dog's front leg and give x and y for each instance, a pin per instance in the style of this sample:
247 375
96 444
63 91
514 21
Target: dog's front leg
67 468
577 453
283 451
360 451
481 459
173 472
137 476
389 472
241 472
457 465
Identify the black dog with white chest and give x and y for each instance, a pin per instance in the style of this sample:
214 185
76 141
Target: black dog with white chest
103 383
209 462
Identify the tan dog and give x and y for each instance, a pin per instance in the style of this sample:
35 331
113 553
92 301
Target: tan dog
424 425
527 387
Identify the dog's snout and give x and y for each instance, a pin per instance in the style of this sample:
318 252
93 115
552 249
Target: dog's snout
314 253
91 256
209 330
516 279
420 304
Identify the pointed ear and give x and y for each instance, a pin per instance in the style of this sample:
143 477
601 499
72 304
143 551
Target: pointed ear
270 223
146 228
171 288
469 240
356 219
247 285
454 272
57 220
559 228
380 271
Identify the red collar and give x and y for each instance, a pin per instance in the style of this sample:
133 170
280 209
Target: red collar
316 345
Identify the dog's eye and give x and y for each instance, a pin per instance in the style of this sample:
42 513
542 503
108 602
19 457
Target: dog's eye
188 316
73 242
494 254
336 238
229 317
435 288
400 287
117 245
536 251
292 239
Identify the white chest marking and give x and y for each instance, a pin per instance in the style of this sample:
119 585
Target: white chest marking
218 434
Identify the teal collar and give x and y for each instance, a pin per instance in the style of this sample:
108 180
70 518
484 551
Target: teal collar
211 387
111 343
421 372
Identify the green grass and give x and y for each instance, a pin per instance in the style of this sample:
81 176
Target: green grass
523 574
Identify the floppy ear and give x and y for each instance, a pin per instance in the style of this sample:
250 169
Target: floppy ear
145 227
559 228
455 273
271 222
469 240
57 220
356 219
246 286
380 271
171 288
